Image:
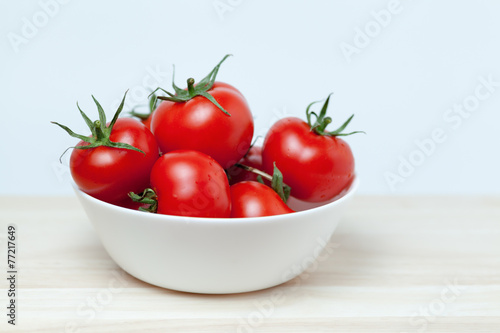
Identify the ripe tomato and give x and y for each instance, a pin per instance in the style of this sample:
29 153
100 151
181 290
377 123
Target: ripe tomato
190 183
116 159
147 122
109 173
252 199
316 164
252 159
210 117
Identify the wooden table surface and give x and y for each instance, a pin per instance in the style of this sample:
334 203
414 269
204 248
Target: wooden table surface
395 264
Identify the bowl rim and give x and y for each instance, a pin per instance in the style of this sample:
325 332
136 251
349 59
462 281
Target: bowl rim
220 220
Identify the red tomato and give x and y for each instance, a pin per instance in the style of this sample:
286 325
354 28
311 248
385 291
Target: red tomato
198 124
190 183
252 199
252 159
109 173
147 122
316 164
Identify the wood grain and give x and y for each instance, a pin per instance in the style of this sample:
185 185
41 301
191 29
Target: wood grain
400 264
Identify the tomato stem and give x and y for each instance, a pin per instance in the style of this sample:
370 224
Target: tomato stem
254 170
321 121
201 89
100 132
153 101
191 90
276 180
149 197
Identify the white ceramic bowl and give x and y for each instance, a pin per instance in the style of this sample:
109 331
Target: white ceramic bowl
209 255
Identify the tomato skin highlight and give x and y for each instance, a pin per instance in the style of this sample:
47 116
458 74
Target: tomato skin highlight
108 173
198 124
190 183
316 167
253 199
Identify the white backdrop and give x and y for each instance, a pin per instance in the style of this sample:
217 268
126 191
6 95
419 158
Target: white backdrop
422 78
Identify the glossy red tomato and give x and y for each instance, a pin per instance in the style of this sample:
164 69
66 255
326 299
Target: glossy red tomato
109 173
190 183
316 164
252 159
198 124
253 199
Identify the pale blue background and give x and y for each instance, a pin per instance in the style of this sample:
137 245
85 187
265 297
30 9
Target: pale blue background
286 54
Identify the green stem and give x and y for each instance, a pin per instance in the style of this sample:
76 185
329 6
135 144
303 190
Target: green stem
148 196
276 180
256 171
202 88
191 90
322 121
98 131
322 126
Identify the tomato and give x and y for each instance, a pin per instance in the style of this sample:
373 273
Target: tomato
211 117
147 122
116 159
252 199
253 159
190 183
316 164
109 173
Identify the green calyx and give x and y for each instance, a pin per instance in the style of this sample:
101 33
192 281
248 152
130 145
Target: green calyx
149 197
153 103
100 132
321 121
277 184
201 89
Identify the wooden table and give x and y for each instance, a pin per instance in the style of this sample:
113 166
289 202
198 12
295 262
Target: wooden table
400 264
